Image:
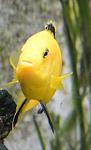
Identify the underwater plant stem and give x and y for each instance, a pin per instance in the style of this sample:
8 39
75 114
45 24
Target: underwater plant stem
76 95
86 36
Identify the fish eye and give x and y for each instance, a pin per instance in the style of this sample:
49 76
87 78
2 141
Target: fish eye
45 53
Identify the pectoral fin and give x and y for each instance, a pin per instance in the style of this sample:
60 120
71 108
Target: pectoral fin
66 76
14 58
56 81
14 81
12 63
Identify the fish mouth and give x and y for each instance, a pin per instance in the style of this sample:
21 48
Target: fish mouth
26 62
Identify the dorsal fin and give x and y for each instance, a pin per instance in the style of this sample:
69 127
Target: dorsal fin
51 27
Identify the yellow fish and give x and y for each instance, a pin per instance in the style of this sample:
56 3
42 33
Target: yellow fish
39 69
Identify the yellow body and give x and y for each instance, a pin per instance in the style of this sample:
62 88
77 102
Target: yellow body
39 68
36 73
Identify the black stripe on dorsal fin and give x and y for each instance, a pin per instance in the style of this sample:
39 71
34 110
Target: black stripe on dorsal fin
51 27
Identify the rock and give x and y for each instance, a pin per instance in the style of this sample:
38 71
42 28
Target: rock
7 111
3 147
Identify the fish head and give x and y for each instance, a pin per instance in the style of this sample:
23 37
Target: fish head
40 57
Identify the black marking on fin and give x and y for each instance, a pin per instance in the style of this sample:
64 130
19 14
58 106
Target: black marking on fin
40 111
48 117
18 112
50 27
